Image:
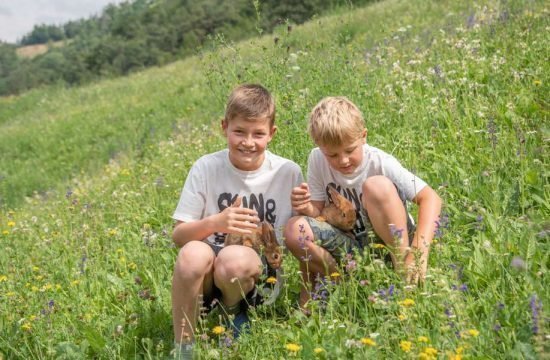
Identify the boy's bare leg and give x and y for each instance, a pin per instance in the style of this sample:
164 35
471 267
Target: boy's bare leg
193 275
237 268
384 207
314 259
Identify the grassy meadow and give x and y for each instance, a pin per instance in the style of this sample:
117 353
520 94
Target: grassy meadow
457 90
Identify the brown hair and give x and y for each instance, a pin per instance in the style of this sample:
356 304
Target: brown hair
335 121
251 102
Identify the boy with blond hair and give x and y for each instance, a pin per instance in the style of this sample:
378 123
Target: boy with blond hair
378 187
204 268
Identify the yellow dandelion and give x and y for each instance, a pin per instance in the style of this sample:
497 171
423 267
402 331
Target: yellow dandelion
218 330
3 278
271 280
119 250
407 302
10 294
112 232
11 223
35 268
368 341
455 357
5 232
318 350
75 282
32 317
293 347
378 246
335 275
423 339
26 326
459 350
132 266
401 317
405 345
430 351
473 332
536 83
34 288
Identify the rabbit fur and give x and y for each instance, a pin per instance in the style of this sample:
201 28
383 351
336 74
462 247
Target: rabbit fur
262 239
340 213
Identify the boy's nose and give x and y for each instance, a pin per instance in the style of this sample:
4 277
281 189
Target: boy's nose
247 141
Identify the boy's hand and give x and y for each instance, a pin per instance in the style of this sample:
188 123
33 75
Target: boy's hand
236 220
300 199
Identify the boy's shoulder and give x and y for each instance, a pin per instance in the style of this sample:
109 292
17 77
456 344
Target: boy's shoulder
280 161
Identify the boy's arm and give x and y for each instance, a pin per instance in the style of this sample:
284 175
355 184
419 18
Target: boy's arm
235 220
429 209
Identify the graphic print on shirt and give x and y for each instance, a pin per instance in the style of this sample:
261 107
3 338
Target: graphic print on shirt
351 195
265 208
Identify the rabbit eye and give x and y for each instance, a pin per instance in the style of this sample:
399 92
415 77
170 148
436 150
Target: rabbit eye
343 214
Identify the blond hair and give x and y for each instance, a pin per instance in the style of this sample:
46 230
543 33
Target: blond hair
335 121
250 102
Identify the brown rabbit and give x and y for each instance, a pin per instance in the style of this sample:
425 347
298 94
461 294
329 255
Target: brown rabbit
263 238
340 213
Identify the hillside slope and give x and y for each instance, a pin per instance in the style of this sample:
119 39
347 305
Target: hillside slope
456 90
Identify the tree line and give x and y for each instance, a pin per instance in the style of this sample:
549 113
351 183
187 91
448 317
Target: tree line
137 34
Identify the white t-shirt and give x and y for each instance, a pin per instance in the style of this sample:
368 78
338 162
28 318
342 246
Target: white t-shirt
213 184
375 162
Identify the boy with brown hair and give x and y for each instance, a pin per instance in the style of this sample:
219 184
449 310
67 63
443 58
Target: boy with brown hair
204 267
376 184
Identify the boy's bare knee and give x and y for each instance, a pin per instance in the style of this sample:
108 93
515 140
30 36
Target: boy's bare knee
377 189
294 231
237 262
194 260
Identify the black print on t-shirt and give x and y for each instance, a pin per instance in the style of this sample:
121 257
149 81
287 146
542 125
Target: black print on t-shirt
265 208
351 195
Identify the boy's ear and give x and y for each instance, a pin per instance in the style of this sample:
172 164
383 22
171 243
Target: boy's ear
364 135
224 126
272 131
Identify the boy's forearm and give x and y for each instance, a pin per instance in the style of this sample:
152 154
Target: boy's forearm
196 230
311 211
428 213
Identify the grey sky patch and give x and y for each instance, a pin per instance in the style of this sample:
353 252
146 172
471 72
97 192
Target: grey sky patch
18 17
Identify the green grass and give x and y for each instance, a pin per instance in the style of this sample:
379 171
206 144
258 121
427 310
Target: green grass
456 90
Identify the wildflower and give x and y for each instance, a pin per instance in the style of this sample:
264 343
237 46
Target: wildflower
405 345
407 302
335 275
11 223
537 83
318 350
536 307
75 282
378 246
430 351
3 278
26 326
518 263
271 280
423 339
368 341
5 232
217 330
473 332
401 317
294 348
132 266
112 232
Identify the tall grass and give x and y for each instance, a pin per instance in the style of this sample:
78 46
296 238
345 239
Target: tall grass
456 90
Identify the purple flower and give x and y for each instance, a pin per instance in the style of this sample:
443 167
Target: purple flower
518 263
536 307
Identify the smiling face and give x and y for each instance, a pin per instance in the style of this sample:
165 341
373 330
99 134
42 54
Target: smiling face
345 158
247 141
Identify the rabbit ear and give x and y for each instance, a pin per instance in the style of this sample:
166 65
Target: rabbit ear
267 232
335 196
237 202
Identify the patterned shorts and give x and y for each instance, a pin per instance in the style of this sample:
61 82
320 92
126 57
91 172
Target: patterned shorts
339 243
